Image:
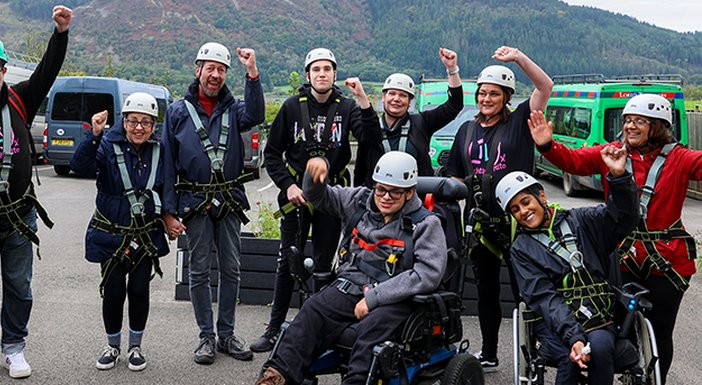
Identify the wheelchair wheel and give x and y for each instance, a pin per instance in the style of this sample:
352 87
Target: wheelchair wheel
521 342
648 350
463 369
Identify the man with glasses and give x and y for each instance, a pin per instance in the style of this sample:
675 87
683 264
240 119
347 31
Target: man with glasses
18 205
377 277
203 162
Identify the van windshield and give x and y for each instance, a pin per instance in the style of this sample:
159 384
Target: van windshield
80 107
613 124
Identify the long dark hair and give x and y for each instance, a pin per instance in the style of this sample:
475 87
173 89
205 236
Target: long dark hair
504 113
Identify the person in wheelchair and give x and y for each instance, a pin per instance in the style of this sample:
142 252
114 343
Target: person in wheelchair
563 261
377 276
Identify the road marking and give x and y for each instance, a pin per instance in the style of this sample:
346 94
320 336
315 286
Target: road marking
266 187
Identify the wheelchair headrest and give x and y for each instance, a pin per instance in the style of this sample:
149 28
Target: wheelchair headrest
443 189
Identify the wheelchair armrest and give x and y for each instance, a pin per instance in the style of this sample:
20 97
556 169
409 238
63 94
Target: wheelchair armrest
429 298
323 277
443 189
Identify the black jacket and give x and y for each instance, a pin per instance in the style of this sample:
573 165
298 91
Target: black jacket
423 126
286 146
598 230
32 93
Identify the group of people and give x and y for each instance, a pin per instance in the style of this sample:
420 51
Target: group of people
191 181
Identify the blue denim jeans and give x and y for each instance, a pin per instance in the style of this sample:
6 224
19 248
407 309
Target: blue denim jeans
204 236
16 258
601 365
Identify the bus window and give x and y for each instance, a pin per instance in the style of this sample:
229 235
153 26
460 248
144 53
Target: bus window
78 106
581 123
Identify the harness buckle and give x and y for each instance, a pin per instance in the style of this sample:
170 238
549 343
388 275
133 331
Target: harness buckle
4 186
643 210
137 209
217 165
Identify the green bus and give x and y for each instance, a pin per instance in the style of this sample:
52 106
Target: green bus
586 111
431 94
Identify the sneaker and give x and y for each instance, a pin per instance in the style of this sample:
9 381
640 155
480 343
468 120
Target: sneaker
108 358
234 346
271 377
265 342
205 352
489 364
17 365
136 359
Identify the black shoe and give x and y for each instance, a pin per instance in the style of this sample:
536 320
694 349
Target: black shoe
136 359
265 342
489 364
234 346
205 352
108 358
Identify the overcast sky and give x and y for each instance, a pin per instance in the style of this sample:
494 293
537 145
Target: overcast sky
678 15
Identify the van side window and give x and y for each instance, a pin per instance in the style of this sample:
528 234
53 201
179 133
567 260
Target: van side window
80 107
569 121
581 122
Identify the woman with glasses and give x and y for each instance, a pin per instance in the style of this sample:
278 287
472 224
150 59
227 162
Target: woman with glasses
486 149
125 235
659 253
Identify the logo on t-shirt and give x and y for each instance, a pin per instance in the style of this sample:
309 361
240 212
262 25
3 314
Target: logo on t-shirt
15 143
482 157
318 129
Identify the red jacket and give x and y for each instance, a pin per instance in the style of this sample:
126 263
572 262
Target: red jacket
664 208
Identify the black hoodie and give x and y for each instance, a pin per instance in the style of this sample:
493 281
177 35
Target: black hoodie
286 146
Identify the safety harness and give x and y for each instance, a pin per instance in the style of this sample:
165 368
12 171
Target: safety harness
591 302
402 248
404 135
317 145
482 192
11 210
218 191
135 237
648 237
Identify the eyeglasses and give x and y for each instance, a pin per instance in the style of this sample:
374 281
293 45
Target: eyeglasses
394 194
638 122
147 124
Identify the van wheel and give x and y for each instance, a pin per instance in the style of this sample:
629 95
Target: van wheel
62 170
570 187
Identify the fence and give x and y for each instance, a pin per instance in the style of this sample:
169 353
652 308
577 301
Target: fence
694 129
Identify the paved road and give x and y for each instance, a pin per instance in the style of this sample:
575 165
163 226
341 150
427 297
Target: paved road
66 333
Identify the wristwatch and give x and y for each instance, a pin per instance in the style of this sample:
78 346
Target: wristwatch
452 72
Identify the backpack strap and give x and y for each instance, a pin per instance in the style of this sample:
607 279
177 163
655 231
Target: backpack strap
17 103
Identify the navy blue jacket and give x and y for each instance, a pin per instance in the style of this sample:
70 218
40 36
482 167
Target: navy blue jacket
599 230
185 157
95 156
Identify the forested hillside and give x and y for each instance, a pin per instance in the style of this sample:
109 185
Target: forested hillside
156 40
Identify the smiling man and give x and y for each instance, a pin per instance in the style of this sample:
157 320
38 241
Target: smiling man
315 123
203 160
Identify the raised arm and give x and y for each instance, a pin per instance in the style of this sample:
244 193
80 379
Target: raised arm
542 82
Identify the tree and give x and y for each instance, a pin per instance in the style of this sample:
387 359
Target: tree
109 71
294 82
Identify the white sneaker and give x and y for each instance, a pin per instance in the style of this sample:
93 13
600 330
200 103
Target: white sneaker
17 365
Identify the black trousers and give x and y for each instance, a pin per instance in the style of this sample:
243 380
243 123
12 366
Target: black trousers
319 324
117 289
487 268
294 229
666 300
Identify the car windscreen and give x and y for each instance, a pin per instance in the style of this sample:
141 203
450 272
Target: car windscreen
451 129
613 124
80 107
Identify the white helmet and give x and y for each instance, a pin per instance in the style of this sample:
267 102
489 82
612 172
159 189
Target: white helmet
400 82
214 52
511 185
319 54
396 168
497 74
650 105
141 102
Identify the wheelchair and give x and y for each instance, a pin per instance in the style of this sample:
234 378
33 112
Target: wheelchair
431 348
636 354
